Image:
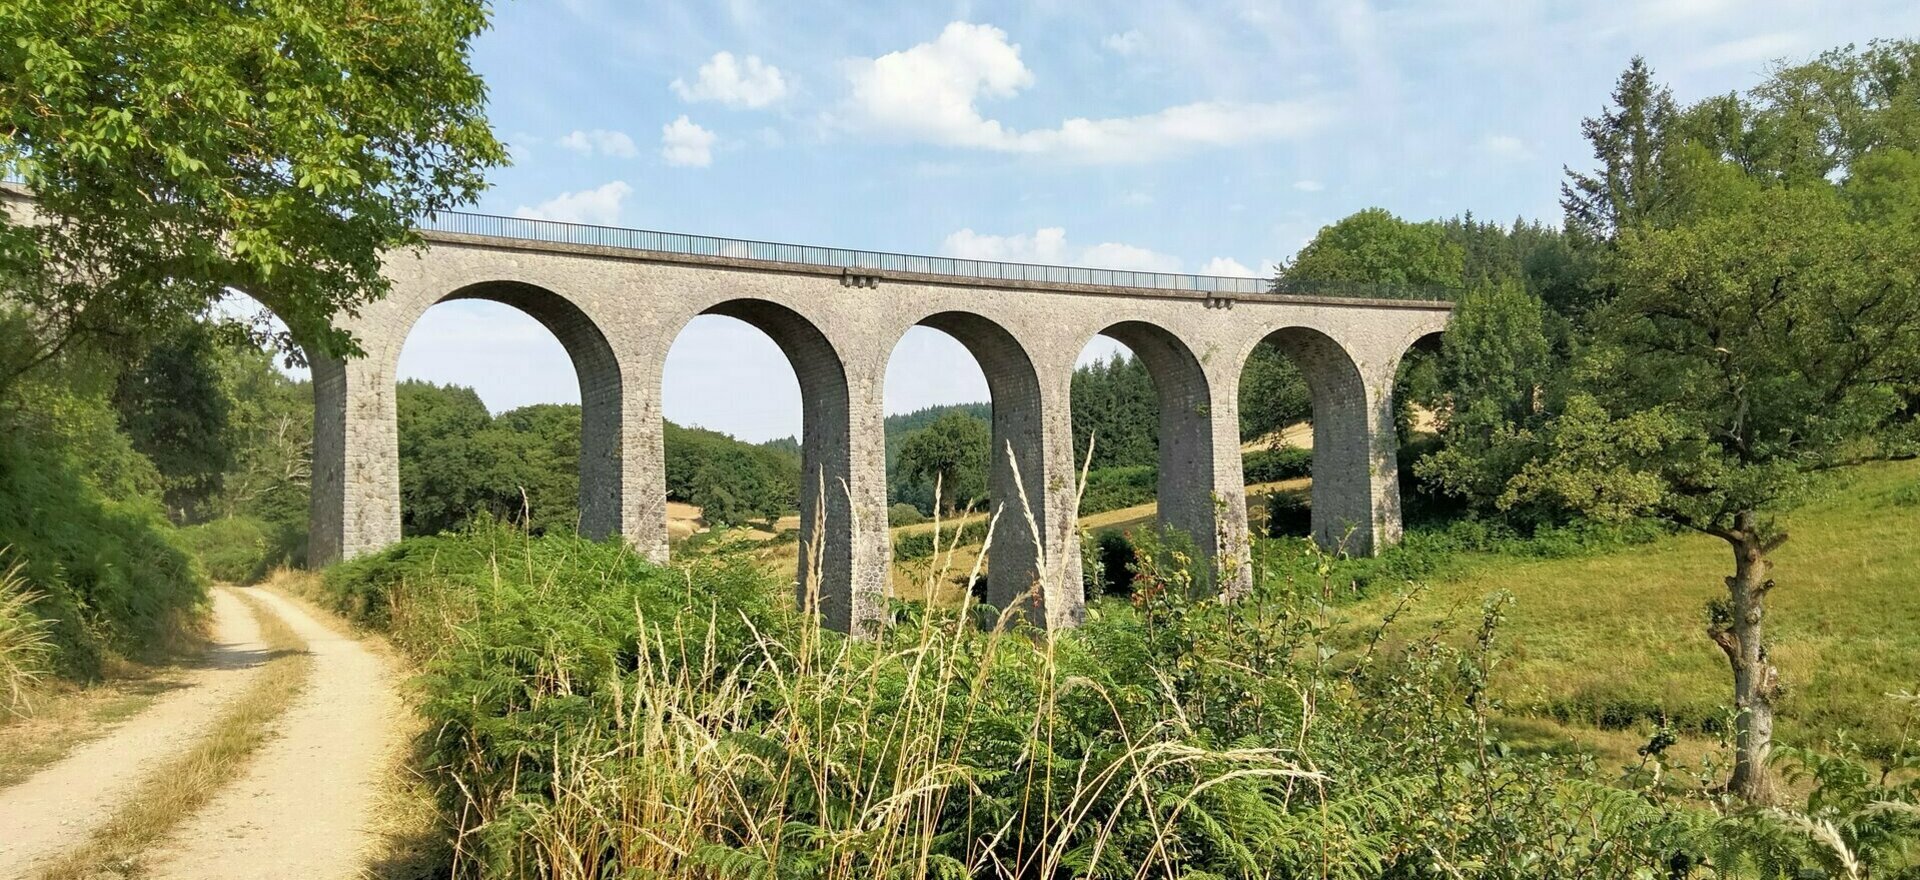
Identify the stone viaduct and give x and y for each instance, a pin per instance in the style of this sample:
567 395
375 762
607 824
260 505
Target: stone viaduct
617 298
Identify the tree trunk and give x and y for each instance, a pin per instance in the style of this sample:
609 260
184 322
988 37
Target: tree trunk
1739 631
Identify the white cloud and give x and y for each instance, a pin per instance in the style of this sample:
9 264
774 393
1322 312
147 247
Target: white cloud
1226 266
520 147
1136 199
600 205
928 92
682 142
1125 44
1112 255
1309 186
1049 245
1506 146
735 83
1751 50
931 93
602 141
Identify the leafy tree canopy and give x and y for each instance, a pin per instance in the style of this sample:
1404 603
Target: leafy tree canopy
954 451
175 409
1374 246
1765 321
183 148
1115 408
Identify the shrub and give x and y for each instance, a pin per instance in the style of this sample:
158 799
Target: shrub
904 514
1274 465
1427 552
242 549
1289 515
1108 570
1118 487
921 544
109 577
595 716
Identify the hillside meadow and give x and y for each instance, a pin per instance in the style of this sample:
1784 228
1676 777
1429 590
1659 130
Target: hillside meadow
1617 640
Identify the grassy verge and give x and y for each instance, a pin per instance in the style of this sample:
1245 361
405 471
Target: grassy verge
1611 642
65 716
176 789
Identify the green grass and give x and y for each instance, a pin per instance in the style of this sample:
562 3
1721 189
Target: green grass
1613 640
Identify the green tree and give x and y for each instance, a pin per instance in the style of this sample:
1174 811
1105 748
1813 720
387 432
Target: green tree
954 451
1273 392
1371 246
271 429
447 469
1115 407
542 447
176 411
1634 142
1745 348
731 481
185 148
1493 372
1375 247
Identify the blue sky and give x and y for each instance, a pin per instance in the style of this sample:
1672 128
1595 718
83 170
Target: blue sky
1191 136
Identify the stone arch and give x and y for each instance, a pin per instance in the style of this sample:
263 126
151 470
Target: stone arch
1344 506
836 577
1187 463
356 476
1024 422
597 370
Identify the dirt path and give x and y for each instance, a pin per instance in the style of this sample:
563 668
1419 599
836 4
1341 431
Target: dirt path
61 805
304 805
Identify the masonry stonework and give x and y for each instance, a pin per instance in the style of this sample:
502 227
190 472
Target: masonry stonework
617 313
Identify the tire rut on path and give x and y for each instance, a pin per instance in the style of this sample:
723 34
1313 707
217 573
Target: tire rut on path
303 804
61 806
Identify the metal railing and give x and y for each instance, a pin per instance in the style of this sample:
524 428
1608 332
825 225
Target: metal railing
557 232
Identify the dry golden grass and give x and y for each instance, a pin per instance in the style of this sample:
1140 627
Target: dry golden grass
173 791
66 716
941 578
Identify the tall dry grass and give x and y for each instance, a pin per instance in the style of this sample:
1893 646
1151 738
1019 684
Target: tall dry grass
816 755
26 647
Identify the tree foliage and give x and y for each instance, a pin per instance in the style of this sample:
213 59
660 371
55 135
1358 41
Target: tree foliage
1633 140
1374 246
458 461
183 148
1495 366
1765 321
952 452
173 407
732 482
1115 408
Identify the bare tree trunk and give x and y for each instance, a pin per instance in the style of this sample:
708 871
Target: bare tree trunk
1739 630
